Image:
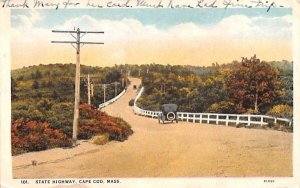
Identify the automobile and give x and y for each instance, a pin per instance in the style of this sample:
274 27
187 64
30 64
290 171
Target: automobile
131 102
168 112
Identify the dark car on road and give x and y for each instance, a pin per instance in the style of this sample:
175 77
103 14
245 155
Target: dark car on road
131 102
168 112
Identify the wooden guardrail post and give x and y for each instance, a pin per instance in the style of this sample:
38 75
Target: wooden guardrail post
200 118
208 118
237 119
249 120
227 119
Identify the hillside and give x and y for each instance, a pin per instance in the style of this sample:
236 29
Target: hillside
42 107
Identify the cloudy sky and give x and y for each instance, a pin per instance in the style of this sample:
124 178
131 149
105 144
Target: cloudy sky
164 36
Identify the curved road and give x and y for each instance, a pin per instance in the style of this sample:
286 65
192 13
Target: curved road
172 150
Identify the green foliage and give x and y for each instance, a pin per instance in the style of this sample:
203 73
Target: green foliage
61 117
13 88
35 84
251 111
55 95
177 84
56 82
112 76
286 82
222 107
281 111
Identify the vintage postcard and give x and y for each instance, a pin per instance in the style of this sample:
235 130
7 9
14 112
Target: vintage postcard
149 93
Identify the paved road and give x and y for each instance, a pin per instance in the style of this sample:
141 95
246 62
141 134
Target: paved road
173 150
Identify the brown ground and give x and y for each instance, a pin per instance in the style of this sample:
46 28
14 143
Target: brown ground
170 150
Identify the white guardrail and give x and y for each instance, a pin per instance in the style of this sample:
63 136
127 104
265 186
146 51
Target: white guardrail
111 100
213 118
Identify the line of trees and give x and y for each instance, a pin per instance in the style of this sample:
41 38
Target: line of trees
249 86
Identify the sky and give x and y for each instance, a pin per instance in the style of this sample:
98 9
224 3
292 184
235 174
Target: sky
163 36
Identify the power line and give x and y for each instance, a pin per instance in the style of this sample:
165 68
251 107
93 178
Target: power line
79 43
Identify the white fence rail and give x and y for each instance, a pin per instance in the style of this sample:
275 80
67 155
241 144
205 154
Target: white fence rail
213 118
111 100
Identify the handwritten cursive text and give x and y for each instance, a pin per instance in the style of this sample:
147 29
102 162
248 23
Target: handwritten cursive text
10 4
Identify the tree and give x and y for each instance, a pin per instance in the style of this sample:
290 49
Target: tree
112 76
55 95
252 84
38 74
35 85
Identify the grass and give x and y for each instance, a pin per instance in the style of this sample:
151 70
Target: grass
100 139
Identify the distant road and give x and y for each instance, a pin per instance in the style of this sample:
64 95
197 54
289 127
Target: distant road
169 150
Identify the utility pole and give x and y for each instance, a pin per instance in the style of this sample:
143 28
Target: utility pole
104 93
92 90
104 86
89 89
139 72
126 79
79 35
116 83
116 91
122 82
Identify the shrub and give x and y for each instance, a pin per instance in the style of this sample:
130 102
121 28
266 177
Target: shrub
222 107
35 136
95 122
35 85
101 139
281 111
251 111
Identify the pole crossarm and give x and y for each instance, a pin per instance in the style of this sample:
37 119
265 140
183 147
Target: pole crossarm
69 42
74 42
91 42
59 31
102 84
91 76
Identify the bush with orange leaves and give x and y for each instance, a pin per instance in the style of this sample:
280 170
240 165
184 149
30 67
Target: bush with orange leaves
28 135
35 136
94 122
